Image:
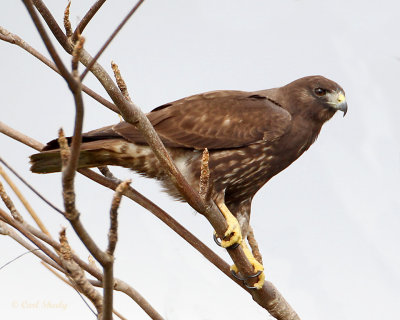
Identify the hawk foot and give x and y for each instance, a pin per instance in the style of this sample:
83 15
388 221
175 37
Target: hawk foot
232 235
258 270
234 246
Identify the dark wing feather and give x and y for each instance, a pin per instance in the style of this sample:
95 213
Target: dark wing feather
213 120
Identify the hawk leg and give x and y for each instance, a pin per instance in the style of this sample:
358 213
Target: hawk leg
258 269
233 234
235 237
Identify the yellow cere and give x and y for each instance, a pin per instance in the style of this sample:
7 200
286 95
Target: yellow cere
341 98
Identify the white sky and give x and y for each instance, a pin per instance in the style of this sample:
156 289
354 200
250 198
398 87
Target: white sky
328 226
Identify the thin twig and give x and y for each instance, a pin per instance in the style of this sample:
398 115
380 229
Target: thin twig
105 171
113 233
70 283
254 245
14 39
45 261
76 54
68 172
71 213
205 188
21 228
29 186
86 19
16 135
10 204
13 234
78 276
53 25
16 258
59 276
108 281
49 46
25 202
67 23
119 284
97 56
120 81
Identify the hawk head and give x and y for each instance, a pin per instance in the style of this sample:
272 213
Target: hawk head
318 97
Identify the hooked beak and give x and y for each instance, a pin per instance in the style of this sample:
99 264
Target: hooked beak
337 100
342 104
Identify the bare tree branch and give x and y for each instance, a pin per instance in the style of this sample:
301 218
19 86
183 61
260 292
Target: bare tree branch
113 232
86 19
120 81
28 185
6 230
267 296
76 53
26 204
123 22
7 36
16 135
67 23
50 48
77 274
119 284
205 188
147 204
53 25
9 204
21 228
254 245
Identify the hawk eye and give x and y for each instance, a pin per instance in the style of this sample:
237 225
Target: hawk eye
320 92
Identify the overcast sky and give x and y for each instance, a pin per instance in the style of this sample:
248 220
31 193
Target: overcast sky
328 226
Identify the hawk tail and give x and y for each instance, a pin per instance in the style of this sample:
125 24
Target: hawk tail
103 152
50 161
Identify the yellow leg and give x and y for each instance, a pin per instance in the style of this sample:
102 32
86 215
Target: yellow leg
256 265
235 236
233 231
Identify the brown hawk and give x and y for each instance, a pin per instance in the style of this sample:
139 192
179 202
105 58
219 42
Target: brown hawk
251 137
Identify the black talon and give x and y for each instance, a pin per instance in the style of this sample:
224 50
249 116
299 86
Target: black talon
256 274
247 286
216 240
248 277
234 246
235 275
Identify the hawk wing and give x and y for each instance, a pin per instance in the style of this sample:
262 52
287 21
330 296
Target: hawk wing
213 120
